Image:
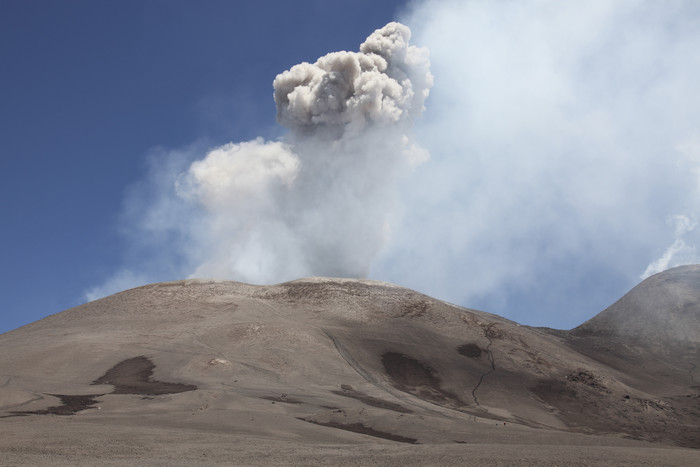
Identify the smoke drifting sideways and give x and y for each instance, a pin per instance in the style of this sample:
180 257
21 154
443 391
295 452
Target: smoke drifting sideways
318 202
565 155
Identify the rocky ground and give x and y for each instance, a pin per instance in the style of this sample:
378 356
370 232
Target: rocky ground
348 372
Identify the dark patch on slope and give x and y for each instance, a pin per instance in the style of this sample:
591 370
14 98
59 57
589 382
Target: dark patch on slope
134 376
586 405
470 350
348 391
365 430
411 376
70 404
587 378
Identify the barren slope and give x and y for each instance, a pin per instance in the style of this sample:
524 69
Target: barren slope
318 362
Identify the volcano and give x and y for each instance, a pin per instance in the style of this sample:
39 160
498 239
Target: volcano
344 371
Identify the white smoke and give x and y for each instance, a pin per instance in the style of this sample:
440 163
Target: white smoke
677 254
554 130
683 250
319 202
562 139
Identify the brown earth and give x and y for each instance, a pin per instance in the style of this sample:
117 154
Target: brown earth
344 372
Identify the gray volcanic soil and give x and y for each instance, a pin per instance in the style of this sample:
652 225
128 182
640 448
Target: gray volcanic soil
339 371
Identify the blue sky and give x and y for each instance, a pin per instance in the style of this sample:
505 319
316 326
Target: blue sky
564 145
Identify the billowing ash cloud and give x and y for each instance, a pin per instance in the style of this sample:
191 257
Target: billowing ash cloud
319 202
385 83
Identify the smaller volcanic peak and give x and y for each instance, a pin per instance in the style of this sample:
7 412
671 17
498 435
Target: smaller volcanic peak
662 311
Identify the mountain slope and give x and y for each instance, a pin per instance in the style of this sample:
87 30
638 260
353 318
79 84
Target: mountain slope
352 361
661 312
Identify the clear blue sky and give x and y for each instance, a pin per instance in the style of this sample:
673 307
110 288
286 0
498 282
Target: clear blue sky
564 142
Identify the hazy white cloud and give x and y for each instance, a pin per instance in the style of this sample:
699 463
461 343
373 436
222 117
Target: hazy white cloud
554 130
235 175
558 139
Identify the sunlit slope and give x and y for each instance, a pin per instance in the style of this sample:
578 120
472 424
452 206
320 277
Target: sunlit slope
323 359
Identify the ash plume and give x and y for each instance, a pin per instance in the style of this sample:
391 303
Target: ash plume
564 160
318 202
383 84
